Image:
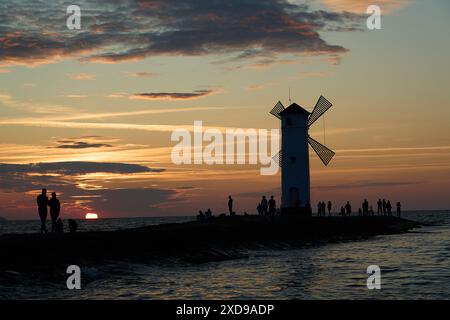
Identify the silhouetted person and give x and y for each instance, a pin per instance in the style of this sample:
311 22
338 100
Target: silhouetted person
201 216
384 206
259 209
319 209
272 206
208 214
230 205
342 211
55 208
73 225
323 207
329 208
264 205
380 206
348 208
365 207
389 207
59 226
42 202
399 209
360 213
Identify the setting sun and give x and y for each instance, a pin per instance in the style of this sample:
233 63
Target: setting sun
91 216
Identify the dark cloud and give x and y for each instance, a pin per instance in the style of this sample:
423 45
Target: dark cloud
82 145
143 74
172 95
35 31
74 168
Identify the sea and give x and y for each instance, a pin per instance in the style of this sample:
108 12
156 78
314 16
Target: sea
413 265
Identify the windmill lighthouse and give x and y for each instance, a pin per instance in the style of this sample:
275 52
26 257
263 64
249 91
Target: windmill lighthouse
293 157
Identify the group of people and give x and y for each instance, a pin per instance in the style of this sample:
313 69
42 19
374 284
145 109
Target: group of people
346 210
43 203
267 207
322 207
385 207
202 216
53 203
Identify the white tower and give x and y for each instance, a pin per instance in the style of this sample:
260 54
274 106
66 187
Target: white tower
293 157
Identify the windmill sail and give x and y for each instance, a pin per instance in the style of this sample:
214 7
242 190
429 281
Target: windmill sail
323 152
278 158
277 109
321 107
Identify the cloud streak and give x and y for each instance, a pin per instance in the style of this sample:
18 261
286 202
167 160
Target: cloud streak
74 168
82 145
360 6
81 76
198 94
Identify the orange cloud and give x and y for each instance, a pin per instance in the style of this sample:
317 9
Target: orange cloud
360 6
75 96
81 76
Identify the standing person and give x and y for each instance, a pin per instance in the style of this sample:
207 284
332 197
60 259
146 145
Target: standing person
55 208
384 206
272 206
264 205
230 205
323 208
42 202
329 208
389 207
380 206
366 207
348 208
399 209
342 211
259 209
319 208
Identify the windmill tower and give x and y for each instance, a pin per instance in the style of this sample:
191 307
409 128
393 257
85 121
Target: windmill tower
293 157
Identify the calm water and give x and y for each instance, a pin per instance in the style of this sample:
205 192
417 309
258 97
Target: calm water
413 266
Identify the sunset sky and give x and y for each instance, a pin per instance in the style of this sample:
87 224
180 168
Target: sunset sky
108 96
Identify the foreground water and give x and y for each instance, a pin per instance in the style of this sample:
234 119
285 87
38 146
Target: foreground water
415 265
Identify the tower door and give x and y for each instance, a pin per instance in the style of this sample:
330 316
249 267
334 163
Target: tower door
294 200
